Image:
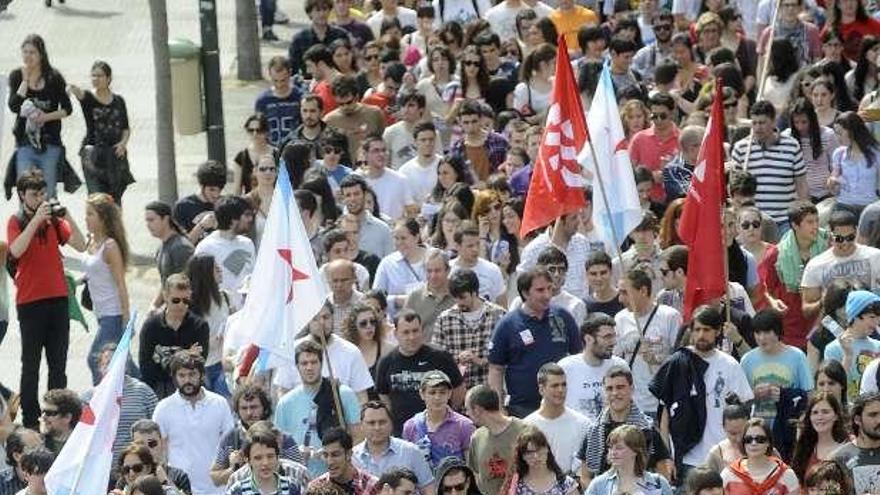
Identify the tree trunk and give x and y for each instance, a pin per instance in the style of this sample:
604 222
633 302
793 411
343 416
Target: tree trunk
247 40
167 168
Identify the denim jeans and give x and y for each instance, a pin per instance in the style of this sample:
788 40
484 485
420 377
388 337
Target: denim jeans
110 329
27 157
267 13
215 380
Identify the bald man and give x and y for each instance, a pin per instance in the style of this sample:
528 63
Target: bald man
341 276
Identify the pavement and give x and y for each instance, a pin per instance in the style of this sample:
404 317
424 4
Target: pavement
119 32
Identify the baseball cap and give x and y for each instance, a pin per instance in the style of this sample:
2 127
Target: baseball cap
858 301
434 378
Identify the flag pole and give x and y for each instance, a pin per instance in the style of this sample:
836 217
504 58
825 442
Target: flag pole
333 386
607 206
763 77
726 267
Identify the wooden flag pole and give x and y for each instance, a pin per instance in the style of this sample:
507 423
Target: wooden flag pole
337 404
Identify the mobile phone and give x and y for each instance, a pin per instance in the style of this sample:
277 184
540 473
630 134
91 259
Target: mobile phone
832 326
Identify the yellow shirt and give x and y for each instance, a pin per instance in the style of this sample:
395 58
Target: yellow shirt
570 21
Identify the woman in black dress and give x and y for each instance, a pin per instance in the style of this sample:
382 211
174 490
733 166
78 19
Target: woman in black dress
104 150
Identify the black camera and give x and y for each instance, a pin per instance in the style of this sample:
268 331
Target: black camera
56 210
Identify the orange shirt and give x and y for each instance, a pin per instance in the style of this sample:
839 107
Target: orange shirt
569 21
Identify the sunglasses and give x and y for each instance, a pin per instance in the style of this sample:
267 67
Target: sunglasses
178 300
372 322
134 468
663 27
471 63
332 150
51 412
267 169
753 224
370 57
759 439
659 116
840 239
455 488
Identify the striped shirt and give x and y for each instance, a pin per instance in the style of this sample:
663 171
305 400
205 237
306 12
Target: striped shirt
776 167
138 402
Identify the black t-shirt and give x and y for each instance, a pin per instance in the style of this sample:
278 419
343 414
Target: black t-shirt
610 308
104 123
188 211
399 378
51 97
156 333
369 261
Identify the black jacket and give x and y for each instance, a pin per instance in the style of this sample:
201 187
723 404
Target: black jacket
680 387
792 404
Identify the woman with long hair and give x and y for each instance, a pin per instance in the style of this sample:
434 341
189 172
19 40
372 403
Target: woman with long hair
104 149
833 320
708 29
531 97
733 421
245 161
450 170
628 457
343 57
316 182
817 143
750 233
745 49
783 66
822 431
823 95
439 86
260 196
39 100
691 74
447 221
863 78
534 469
830 378
371 72
107 257
635 115
135 462
211 304
854 173
473 77
758 467
526 37
487 215
401 271
366 329
669 224
832 49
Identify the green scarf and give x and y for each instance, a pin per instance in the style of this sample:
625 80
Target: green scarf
74 311
788 263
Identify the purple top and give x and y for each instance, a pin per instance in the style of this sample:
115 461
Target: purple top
451 438
520 179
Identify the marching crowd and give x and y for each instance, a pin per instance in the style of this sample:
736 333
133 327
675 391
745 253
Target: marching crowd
455 353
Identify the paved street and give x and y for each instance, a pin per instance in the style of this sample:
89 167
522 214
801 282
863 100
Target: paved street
118 32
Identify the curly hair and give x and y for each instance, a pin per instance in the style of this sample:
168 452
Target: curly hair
349 324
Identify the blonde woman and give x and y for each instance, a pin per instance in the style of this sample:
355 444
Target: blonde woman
106 259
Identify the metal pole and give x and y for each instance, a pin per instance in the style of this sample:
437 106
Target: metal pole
607 207
212 81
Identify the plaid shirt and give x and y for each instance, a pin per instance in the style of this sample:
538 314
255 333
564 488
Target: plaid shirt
363 483
496 146
454 334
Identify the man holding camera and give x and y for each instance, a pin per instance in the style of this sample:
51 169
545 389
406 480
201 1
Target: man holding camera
35 235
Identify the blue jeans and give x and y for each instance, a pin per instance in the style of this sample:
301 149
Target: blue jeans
27 157
110 329
215 380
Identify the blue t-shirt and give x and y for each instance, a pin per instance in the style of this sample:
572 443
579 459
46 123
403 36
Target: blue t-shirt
788 369
282 113
296 415
864 351
523 344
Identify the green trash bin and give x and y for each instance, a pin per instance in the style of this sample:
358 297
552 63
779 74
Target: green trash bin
186 86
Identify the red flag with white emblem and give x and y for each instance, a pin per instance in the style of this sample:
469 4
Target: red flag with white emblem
700 224
557 186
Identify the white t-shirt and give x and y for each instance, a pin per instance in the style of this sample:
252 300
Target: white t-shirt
193 432
502 17
234 256
565 435
348 366
659 341
401 145
723 376
392 192
491 280
461 11
862 266
869 377
407 17
586 393
421 179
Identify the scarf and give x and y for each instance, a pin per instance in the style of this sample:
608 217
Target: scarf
789 266
595 440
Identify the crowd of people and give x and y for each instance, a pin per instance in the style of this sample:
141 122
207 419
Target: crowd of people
456 353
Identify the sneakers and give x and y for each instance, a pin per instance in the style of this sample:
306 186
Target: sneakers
268 35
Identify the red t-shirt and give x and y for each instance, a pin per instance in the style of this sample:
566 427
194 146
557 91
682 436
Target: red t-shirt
382 102
795 328
322 89
649 150
40 273
853 33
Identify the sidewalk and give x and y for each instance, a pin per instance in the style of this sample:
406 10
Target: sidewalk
119 32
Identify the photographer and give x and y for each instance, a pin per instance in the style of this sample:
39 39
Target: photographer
35 235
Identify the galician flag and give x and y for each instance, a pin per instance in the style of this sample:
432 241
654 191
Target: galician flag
83 465
616 208
286 289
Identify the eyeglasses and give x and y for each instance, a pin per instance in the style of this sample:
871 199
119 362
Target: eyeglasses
556 269
659 116
471 63
51 412
372 322
370 57
840 239
332 150
267 169
255 130
179 300
759 439
753 224
134 468
455 488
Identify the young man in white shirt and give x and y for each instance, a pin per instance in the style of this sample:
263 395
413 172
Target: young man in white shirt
492 286
400 136
586 371
564 427
421 171
233 253
193 421
391 187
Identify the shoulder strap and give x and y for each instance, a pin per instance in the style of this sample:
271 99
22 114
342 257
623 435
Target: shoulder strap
644 330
